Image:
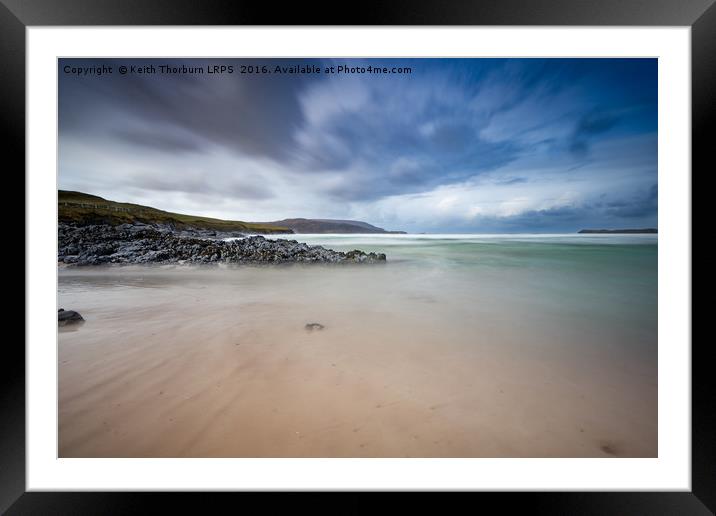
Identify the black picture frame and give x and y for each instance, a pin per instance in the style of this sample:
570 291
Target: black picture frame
17 15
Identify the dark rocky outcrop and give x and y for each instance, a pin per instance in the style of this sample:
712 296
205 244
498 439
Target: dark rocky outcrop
146 244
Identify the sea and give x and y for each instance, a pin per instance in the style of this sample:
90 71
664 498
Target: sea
459 345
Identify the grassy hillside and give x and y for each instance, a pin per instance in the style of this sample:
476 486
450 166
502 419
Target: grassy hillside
84 208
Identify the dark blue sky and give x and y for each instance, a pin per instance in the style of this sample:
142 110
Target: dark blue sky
456 145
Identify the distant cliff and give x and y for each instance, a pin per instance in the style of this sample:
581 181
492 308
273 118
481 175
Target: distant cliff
619 231
329 226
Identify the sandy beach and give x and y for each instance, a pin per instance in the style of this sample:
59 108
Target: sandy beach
412 362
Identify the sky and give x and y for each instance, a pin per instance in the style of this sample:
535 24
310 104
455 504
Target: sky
453 145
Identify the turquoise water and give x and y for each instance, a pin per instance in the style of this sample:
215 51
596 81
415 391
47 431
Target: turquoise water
607 278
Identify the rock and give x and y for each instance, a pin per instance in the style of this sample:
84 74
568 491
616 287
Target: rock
68 317
314 326
132 244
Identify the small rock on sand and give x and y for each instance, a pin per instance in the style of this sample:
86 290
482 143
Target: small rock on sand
314 326
68 317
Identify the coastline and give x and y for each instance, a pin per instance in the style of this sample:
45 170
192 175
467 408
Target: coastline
433 357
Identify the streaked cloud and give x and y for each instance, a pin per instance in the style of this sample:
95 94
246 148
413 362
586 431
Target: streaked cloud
457 145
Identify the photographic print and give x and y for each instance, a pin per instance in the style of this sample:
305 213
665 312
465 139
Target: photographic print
357 257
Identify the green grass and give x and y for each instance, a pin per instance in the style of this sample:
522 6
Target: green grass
84 208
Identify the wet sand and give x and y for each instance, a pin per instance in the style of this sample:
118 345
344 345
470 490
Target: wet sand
181 362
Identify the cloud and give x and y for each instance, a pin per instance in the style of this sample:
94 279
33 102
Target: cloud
161 141
588 126
639 204
458 143
250 114
538 195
